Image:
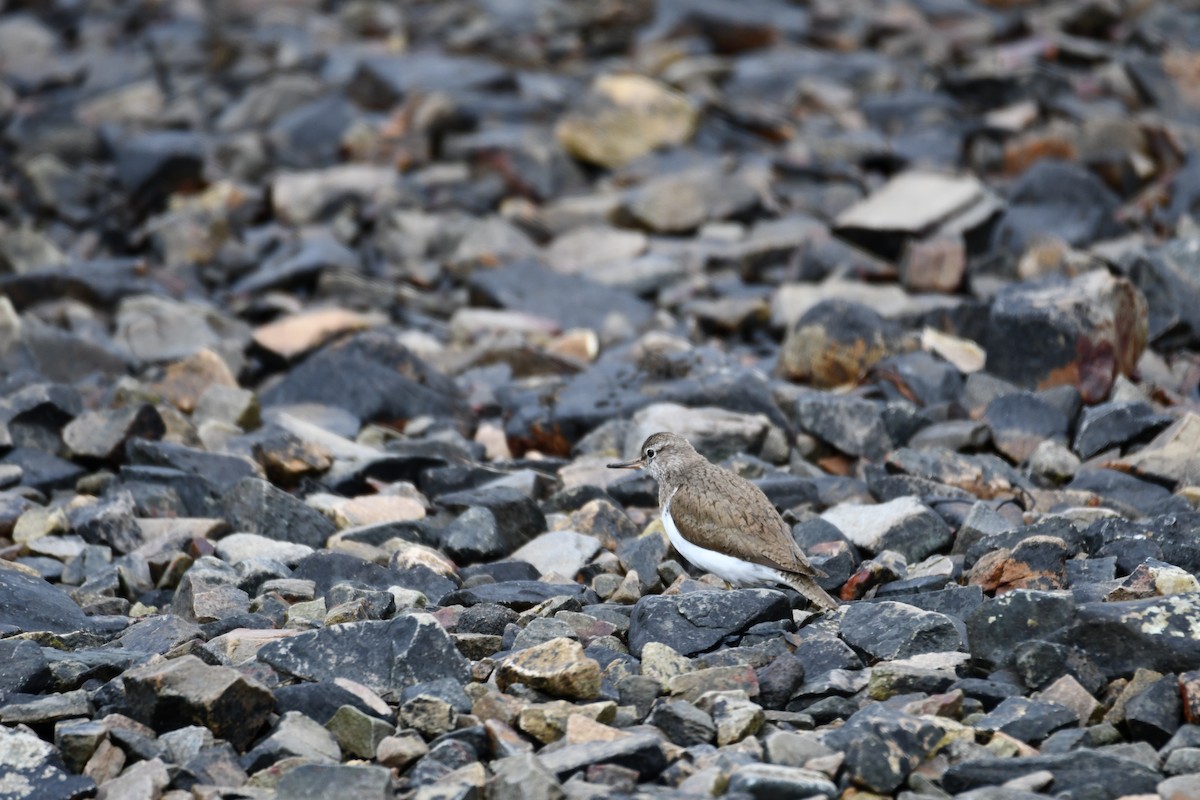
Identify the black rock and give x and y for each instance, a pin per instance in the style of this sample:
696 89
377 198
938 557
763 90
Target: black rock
318 701
31 604
883 745
1125 492
372 376
1058 198
1020 422
920 377
383 82
888 630
852 425
994 627
1028 720
779 680
643 554
109 521
641 752
43 471
158 634
683 723
988 692
386 656
153 165
486 618
1082 773
26 669
956 602
1116 424
256 506
1154 715
1039 663
1120 637
821 652
698 621
219 470
494 522
785 490
519 595
530 287
501 571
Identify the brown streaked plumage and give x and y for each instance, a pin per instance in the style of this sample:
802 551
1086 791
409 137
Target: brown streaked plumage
722 522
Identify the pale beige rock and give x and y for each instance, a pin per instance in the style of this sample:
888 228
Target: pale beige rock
186 380
298 333
557 667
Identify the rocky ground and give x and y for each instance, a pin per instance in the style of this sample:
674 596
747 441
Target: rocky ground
319 321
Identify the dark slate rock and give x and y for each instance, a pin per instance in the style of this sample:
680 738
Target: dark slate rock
1167 278
1154 715
23 667
1028 720
186 691
852 425
990 693
530 287
43 471
519 595
321 781
166 492
641 752
318 701
683 723
383 82
887 630
220 470
698 621
494 522
1039 663
256 506
643 554
1073 541
486 618
1123 492
372 376
386 656
1121 637
158 634
1059 198
779 681
298 262
883 745
953 600
785 490
212 766
1020 422
435 586
821 652
109 521
153 165
999 622
1116 424
31 604
1081 773
1178 535
1083 332
501 571
920 377
33 768
102 283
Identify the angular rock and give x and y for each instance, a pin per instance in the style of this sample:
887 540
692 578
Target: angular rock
993 627
775 780
1170 456
102 434
557 667
640 751
31 604
1028 720
187 691
1116 424
386 657
1058 198
256 506
683 723
1082 333
1082 772
33 768
883 745
698 621
887 631
1021 422
852 425
904 525
317 781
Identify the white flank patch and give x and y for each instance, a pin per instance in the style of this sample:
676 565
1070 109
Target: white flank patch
734 570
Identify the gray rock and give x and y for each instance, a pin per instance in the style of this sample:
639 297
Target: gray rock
321 781
31 604
293 736
102 434
187 691
1028 720
386 656
683 723
763 781
1116 424
882 746
256 506
1082 772
34 769
850 424
698 621
905 525
887 630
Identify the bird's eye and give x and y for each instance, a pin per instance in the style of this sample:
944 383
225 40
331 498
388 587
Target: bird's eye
650 453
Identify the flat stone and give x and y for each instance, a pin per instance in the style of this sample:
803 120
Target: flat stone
1170 456
1084 771
557 667
318 781
762 781
698 621
377 654
255 506
890 630
1028 720
31 604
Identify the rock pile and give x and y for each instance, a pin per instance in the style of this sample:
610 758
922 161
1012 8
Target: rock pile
319 320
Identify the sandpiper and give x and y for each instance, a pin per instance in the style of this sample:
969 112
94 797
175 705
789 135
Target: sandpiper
722 522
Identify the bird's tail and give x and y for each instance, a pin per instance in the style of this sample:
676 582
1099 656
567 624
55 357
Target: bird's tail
809 588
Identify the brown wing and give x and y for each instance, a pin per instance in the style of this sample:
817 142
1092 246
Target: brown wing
697 518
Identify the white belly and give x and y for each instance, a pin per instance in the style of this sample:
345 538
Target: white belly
734 570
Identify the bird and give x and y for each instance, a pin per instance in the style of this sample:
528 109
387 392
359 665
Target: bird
723 523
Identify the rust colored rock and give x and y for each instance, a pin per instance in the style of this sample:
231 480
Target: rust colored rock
835 343
1083 332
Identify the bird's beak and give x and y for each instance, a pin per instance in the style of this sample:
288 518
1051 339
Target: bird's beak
637 463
